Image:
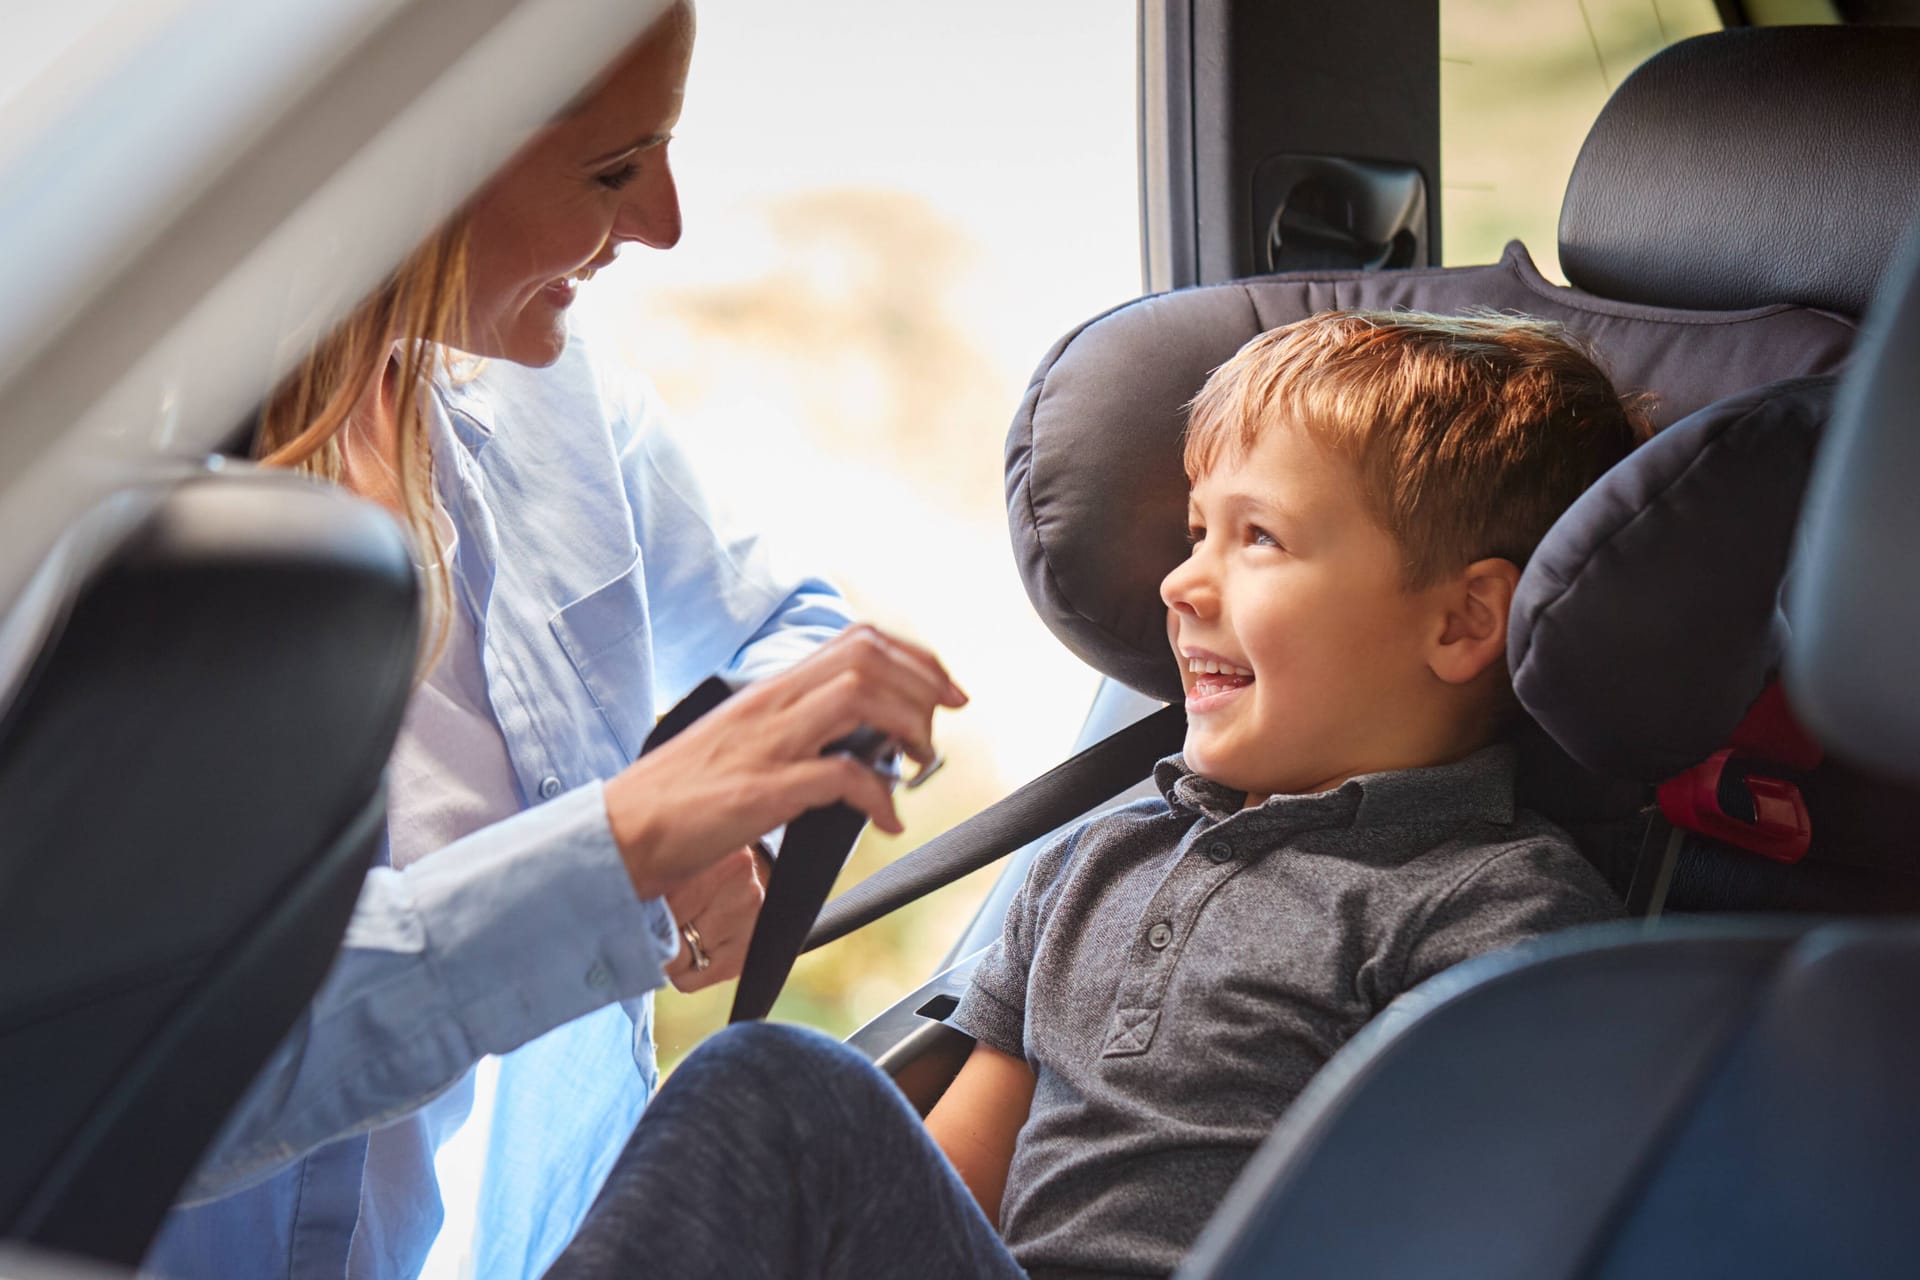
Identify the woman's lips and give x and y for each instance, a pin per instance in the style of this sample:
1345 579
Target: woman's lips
560 292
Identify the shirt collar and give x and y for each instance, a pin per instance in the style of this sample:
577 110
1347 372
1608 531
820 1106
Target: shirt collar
469 411
1478 786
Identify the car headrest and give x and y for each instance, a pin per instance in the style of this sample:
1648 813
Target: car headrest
1097 498
1765 164
1649 619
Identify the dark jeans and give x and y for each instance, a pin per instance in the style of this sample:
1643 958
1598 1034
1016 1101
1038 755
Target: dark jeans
773 1152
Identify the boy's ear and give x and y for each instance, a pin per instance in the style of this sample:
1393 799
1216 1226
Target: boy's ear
1473 633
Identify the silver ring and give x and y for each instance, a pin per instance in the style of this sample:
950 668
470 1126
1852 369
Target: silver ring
691 936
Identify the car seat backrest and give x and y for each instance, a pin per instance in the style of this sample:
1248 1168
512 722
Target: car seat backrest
190 794
1765 164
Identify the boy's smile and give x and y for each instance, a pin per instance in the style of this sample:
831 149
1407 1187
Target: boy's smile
1302 655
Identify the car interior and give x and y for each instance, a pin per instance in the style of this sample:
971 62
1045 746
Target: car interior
1718 1085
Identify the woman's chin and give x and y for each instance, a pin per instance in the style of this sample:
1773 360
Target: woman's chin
536 337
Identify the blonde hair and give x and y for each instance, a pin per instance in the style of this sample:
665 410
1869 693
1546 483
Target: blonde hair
421 307
1469 434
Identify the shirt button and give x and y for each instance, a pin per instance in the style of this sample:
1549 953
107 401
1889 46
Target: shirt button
1159 936
549 787
1220 851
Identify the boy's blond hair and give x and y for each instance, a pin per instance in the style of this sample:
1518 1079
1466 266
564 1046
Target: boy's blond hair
1469 434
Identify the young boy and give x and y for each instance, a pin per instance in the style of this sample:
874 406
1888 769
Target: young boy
1339 827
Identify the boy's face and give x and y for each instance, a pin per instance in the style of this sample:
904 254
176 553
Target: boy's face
1294 594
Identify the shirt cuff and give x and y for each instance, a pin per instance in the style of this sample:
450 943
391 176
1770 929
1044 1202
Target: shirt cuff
534 922
991 1021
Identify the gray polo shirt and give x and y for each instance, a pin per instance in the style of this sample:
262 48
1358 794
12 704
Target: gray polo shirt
1176 970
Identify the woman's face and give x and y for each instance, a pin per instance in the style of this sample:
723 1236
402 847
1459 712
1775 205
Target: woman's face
588 183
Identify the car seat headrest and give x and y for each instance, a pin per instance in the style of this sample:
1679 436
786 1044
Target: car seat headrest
1649 620
1096 496
1755 165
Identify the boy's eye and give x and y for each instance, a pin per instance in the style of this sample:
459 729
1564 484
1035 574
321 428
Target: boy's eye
1196 534
614 179
1260 537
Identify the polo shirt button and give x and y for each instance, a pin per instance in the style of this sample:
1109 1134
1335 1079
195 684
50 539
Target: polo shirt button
1159 936
1220 851
549 787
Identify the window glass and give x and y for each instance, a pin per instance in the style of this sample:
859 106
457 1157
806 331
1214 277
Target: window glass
892 212
1520 83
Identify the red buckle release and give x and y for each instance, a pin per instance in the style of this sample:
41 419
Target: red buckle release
1780 829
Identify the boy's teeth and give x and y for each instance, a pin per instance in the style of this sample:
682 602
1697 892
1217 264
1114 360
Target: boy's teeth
1205 667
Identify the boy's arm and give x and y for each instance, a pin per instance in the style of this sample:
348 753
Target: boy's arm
978 1119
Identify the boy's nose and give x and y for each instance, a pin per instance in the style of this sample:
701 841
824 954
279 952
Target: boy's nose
1187 590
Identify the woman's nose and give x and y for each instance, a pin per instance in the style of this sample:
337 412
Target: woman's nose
651 215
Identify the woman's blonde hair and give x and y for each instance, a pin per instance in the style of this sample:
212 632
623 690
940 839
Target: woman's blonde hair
418 314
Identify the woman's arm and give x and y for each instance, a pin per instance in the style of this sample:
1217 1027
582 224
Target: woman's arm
476 949
978 1119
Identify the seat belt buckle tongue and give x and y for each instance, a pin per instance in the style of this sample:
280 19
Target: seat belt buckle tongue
1723 799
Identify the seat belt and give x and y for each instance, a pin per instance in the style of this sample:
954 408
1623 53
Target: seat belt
1058 796
818 843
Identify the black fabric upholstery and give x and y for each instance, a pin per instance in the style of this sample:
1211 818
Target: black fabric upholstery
1856 596
1096 497
1760 165
1715 1099
1648 619
190 791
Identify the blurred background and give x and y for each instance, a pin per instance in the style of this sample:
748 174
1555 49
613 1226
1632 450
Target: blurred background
892 212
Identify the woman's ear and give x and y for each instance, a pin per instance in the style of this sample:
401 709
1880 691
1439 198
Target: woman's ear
1473 633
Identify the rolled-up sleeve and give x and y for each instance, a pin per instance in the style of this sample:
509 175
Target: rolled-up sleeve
476 949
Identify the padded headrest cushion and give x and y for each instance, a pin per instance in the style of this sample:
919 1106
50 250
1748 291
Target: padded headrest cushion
1097 499
1767 164
1649 618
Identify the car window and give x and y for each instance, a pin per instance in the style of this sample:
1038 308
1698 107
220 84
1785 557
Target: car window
1520 83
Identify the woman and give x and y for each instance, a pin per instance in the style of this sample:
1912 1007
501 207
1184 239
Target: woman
575 582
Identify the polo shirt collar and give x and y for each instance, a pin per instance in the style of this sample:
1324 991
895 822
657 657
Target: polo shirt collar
1476 787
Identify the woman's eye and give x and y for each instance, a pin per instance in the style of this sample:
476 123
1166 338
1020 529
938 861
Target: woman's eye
1195 536
614 179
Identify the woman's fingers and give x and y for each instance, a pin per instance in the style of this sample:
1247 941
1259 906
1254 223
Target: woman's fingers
853 699
830 779
721 904
755 762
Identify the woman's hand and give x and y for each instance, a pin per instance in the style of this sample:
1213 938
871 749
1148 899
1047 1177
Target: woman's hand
720 907
754 762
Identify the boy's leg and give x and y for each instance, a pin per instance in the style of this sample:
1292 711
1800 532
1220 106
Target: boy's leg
775 1151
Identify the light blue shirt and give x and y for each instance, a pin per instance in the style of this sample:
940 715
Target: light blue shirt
603 587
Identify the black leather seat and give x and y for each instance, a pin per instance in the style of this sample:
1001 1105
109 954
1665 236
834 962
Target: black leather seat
190 791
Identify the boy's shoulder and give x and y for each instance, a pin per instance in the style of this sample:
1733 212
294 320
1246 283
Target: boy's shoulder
1492 886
